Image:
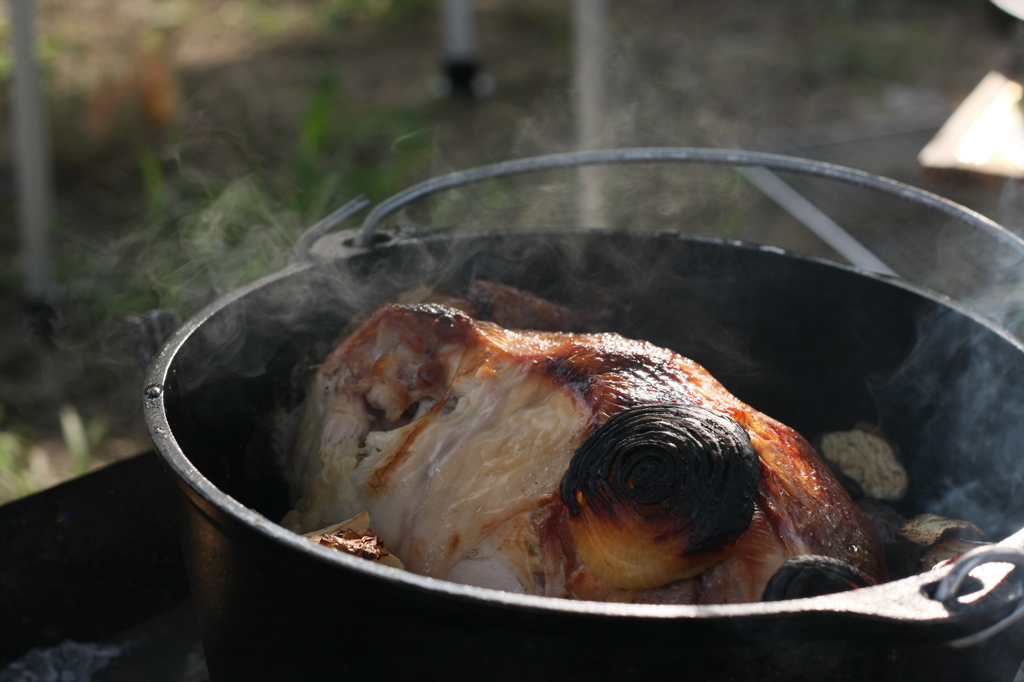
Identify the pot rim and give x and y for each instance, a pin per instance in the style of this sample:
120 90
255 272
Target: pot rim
904 600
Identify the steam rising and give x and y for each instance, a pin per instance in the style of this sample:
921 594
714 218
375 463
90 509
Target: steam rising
960 391
948 397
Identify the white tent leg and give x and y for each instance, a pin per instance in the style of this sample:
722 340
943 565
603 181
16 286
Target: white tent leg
33 164
590 40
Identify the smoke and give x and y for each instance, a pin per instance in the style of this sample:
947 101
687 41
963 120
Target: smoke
967 388
954 405
950 403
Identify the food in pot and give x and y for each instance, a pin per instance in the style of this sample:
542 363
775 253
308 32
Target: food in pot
946 550
927 529
362 543
865 455
586 466
940 538
921 543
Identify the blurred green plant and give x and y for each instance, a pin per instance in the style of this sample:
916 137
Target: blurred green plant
15 480
17 477
205 236
81 438
152 180
46 48
267 18
342 152
25 468
6 58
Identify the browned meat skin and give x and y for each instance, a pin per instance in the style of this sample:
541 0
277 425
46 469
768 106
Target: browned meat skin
505 306
407 383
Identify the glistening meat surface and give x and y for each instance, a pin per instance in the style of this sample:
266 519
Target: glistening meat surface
459 436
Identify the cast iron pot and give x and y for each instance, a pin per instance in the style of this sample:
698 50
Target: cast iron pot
816 345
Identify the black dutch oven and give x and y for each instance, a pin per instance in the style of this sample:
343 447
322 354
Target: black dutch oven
817 345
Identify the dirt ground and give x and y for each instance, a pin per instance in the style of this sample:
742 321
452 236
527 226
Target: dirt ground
193 141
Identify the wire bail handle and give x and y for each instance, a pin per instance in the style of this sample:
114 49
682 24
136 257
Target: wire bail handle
721 157
948 589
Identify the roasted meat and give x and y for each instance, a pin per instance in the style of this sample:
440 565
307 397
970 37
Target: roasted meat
586 466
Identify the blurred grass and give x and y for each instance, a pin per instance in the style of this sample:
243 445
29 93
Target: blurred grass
81 438
342 152
203 236
15 479
46 49
26 466
183 228
387 12
859 50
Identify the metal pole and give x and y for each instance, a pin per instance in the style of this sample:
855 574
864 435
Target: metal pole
33 172
459 38
590 42
461 63
796 205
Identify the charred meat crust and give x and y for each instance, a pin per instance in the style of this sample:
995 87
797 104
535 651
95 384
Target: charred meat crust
813 576
684 469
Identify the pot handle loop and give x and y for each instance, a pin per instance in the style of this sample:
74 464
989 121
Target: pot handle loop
723 157
948 589
300 252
